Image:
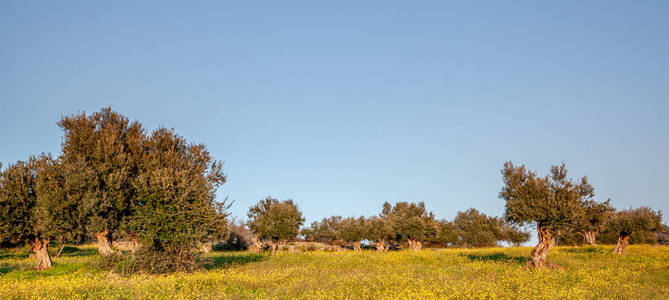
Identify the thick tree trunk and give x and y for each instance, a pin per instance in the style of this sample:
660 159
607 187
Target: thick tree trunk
62 246
41 249
275 246
540 252
135 244
380 246
105 243
256 246
623 241
590 237
415 245
356 246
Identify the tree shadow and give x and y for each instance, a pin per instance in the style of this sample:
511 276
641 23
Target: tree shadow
497 257
74 251
589 250
4 270
17 255
225 261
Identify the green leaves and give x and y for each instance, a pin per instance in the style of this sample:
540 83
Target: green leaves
275 220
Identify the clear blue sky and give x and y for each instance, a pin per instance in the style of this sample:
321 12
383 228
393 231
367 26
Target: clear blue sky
345 105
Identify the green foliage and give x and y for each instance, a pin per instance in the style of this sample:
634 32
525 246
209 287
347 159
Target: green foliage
18 201
553 201
642 220
174 207
410 221
379 229
60 188
475 229
108 144
595 216
323 231
352 229
275 220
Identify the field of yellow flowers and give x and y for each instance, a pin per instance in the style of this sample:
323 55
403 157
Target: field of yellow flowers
589 272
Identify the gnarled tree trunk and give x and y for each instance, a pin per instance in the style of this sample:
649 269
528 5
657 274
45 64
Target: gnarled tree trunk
256 246
356 246
41 249
623 241
590 237
104 243
415 245
540 252
380 246
274 246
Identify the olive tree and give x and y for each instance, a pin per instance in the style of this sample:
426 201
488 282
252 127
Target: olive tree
352 230
36 207
476 229
174 207
550 203
324 231
379 230
109 144
593 220
639 220
411 222
275 221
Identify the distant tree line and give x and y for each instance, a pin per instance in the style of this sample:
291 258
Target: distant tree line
113 179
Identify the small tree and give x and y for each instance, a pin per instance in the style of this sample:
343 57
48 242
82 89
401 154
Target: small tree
174 203
594 219
639 220
109 144
551 203
380 231
411 222
352 230
276 221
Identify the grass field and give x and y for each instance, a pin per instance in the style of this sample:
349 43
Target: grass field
589 272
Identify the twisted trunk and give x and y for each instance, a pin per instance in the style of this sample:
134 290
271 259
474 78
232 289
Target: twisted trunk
256 246
540 251
105 243
356 246
275 246
41 249
590 237
380 246
623 241
415 245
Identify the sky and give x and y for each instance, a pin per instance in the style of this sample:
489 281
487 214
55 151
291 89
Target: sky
343 105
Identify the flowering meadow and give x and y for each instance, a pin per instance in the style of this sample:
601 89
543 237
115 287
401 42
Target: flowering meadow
589 272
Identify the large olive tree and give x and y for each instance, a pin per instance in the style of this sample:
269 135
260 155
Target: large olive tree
275 221
109 144
174 207
550 203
